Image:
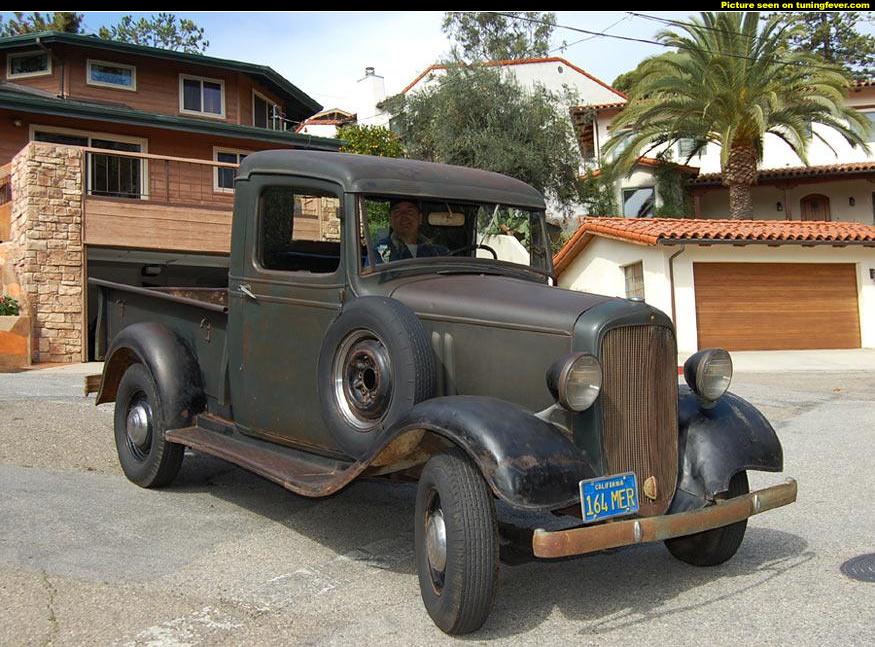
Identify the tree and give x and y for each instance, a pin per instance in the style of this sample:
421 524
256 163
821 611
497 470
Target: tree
68 21
475 116
164 30
834 36
370 140
731 83
489 36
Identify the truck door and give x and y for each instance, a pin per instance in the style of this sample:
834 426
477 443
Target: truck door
288 293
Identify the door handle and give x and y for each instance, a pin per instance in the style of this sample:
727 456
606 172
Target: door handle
245 289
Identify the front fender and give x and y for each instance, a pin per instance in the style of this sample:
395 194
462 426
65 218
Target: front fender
528 463
717 443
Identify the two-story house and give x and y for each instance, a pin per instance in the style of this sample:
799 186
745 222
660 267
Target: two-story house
117 161
837 183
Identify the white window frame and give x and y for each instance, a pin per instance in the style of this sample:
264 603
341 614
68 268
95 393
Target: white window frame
102 84
869 110
625 189
270 104
216 151
28 75
196 113
91 134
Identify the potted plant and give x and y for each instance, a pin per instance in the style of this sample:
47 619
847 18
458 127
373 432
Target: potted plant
14 335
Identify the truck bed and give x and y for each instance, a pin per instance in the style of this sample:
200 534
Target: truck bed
199 316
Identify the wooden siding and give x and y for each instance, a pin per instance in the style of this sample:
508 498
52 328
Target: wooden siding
157 83
776 306
141 224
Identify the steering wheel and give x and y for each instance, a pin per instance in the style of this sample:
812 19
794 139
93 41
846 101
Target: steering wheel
468 248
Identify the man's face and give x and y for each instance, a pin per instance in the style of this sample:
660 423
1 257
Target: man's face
405 218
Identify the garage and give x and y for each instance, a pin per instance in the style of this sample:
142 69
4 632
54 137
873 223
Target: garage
776 306
735 284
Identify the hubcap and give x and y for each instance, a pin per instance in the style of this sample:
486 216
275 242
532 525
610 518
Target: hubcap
436 541
138 425
362 379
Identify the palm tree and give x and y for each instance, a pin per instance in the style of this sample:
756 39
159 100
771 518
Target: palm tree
732 80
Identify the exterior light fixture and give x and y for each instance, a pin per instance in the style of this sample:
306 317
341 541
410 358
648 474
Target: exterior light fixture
851 201
779 206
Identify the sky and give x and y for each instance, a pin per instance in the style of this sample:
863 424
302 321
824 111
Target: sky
325 53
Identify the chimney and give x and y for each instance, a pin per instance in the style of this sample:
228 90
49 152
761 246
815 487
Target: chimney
370 91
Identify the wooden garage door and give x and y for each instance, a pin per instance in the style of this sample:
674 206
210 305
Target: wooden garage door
776 306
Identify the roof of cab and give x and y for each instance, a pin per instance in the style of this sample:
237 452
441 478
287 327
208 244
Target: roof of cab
385 175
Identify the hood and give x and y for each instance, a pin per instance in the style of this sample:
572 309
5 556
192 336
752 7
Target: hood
500 300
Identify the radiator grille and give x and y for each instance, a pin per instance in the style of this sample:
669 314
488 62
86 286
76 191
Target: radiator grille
639 409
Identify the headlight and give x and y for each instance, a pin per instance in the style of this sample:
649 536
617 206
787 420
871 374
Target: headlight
709 373
575 381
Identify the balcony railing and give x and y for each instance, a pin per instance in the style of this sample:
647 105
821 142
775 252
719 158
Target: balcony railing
158 202
158 178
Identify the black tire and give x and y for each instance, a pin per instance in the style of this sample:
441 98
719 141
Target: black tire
716 546
374 365
459 597
146 458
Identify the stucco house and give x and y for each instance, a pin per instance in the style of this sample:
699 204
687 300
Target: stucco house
837 184
740 285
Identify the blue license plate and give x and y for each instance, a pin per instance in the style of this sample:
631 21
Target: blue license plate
608 496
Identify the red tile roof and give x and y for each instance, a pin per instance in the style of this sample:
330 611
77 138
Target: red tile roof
796 171
652 231
598 107
653 162
520 61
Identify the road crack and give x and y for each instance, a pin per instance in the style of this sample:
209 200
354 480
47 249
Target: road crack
53 619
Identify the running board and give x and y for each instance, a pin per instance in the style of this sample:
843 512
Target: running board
301 472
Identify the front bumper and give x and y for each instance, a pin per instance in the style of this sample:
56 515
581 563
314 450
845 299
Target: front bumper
588 539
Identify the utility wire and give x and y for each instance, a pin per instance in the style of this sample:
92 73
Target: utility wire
652 42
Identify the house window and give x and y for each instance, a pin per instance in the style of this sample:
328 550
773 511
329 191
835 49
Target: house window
111 75
223 177
199 96
19 66
870 114
634 280
687 145
265 113
638 203
108 175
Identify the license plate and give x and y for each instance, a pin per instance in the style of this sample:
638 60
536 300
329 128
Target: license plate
608 496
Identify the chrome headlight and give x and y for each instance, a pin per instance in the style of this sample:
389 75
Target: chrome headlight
575 381
709 373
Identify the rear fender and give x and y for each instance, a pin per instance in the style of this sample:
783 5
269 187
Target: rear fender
171 363
528 463
717 443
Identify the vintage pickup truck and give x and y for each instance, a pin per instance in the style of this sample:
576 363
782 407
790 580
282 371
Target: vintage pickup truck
412 330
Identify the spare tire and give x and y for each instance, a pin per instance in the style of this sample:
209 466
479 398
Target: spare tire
374 365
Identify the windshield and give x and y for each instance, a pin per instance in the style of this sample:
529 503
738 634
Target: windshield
399 228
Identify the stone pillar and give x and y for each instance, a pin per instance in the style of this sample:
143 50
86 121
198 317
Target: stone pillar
48 256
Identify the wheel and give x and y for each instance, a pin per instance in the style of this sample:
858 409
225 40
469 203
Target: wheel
456 540
146 457
713 547
374 365
468 248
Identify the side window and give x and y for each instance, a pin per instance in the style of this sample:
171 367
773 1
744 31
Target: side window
299 230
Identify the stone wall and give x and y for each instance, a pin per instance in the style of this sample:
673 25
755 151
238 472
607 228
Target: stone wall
46 248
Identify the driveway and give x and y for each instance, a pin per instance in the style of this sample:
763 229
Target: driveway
225 557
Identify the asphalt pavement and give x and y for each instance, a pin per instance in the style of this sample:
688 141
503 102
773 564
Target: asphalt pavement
223 557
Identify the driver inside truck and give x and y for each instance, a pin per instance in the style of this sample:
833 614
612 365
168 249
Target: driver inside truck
404 239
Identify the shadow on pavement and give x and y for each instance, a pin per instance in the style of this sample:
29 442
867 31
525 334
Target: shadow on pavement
607 591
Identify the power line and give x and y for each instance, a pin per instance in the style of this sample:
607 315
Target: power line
603 32
653 42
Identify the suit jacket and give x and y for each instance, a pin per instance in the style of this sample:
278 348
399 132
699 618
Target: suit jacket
392 248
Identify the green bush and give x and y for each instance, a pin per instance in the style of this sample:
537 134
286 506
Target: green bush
8 306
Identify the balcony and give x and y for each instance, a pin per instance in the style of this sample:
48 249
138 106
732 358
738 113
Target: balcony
143 201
